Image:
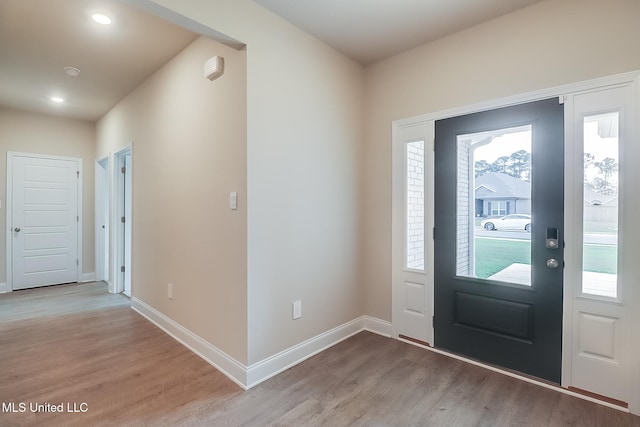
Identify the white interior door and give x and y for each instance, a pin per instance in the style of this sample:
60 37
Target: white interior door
102 219
44 219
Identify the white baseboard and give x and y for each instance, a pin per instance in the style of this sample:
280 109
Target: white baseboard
4 288
88 277
271 366
248 377
226 364
377 326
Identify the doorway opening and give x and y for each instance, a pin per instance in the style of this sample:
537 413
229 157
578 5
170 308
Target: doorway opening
122 194
102 218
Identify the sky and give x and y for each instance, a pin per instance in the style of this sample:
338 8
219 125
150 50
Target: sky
504 146
511 142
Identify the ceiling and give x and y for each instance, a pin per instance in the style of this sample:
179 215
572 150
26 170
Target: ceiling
371 30
38 38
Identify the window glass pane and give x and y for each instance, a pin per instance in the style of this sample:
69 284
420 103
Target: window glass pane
415 205
600 214
494 205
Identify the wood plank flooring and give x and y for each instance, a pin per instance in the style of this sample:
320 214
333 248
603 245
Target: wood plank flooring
77 344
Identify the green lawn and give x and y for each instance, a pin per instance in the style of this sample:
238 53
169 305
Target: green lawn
601 259
494 255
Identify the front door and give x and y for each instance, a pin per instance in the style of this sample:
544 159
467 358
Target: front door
498 245
44 220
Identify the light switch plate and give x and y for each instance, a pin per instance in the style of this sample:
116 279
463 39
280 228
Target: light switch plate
233 200
297 309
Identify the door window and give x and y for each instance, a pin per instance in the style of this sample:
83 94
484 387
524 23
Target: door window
494 205
600 212
414 199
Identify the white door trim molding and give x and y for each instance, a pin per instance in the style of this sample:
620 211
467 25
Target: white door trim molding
9 207
117 254
623 78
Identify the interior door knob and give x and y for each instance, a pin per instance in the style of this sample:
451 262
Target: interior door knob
17 229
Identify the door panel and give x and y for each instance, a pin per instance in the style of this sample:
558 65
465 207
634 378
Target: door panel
494 315
412 223
495 298
602 254
44 218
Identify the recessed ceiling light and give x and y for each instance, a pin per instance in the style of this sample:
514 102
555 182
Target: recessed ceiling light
72 71
57 99
101 18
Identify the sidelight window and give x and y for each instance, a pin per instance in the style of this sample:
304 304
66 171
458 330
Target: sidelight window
600 205
414 199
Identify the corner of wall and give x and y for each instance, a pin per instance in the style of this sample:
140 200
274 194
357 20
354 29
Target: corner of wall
234 370
88 277
249 376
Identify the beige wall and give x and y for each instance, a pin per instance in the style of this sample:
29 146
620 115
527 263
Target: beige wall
319 133
40 134
304 158
551 43
188 137
304 148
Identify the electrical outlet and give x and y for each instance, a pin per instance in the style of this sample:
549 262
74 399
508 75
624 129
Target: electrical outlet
170 290
297 309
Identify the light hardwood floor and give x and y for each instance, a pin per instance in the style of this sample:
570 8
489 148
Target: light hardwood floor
78 344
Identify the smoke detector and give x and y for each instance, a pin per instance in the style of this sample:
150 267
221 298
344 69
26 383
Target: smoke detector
72 71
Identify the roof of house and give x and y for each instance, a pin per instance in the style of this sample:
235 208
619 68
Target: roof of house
496 185
594 198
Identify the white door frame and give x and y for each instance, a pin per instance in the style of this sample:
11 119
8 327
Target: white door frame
121 235
401 126
102 219
9 212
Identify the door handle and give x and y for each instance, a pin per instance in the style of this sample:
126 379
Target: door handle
17 229
553 263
